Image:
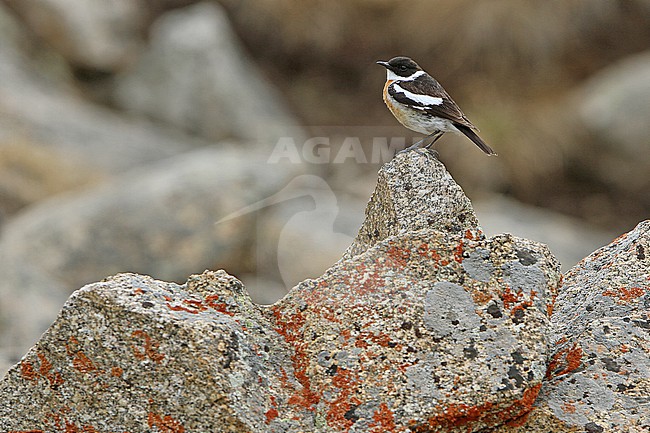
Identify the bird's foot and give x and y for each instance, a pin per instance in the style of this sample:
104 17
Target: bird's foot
415 146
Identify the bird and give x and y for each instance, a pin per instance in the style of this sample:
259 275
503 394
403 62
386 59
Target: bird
421 104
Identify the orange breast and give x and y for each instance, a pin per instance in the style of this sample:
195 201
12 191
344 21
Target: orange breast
399 114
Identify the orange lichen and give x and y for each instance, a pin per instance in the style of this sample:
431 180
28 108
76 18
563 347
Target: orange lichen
383 420
196 306
82 363
624 295
380 339
27 370
568 407
570 358
270 415
289 326
480 298
347 382
508 298
573 358
423 249
515 301
150 349
165 424
458 252
182 308
460 415
117 371
398 255
212 301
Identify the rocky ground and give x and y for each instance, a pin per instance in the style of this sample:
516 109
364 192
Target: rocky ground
424 325
132 132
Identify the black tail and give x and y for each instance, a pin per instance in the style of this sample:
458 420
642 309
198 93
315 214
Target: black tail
475 138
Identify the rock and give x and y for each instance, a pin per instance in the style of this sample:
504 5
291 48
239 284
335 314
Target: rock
598 375
195 75
30 173
425 330
570 239
614 106
90 34
158 220
624 84
54 141
404 201
428 330
130 340
44 111
83 133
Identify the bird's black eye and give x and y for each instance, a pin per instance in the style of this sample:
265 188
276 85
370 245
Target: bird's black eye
402 68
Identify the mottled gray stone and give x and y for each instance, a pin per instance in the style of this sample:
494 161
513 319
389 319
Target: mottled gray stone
598 377
449 308
132 352
158 221
196 75
429 355
93 34
413 192
478 266
396 337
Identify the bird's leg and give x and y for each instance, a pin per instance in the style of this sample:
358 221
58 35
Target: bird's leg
436 136
430 145
418 144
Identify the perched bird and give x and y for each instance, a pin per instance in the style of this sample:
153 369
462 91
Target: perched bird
420 103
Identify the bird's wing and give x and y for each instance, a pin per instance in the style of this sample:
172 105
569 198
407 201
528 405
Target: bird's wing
427 95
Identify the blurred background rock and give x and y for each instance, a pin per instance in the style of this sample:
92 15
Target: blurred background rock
128 128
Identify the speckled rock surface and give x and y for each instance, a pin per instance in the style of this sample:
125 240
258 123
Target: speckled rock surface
426 331
413 192
599 369
139 355
429 328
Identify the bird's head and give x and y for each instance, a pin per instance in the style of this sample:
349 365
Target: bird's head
401 66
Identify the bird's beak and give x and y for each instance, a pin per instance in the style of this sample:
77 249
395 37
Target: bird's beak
384 64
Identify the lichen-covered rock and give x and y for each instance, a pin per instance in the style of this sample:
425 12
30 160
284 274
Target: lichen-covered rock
428 327
60 245
599 369
135 354
425 332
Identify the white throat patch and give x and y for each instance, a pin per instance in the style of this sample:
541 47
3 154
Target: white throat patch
392 76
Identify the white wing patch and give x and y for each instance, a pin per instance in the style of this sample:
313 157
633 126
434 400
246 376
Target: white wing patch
424 100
